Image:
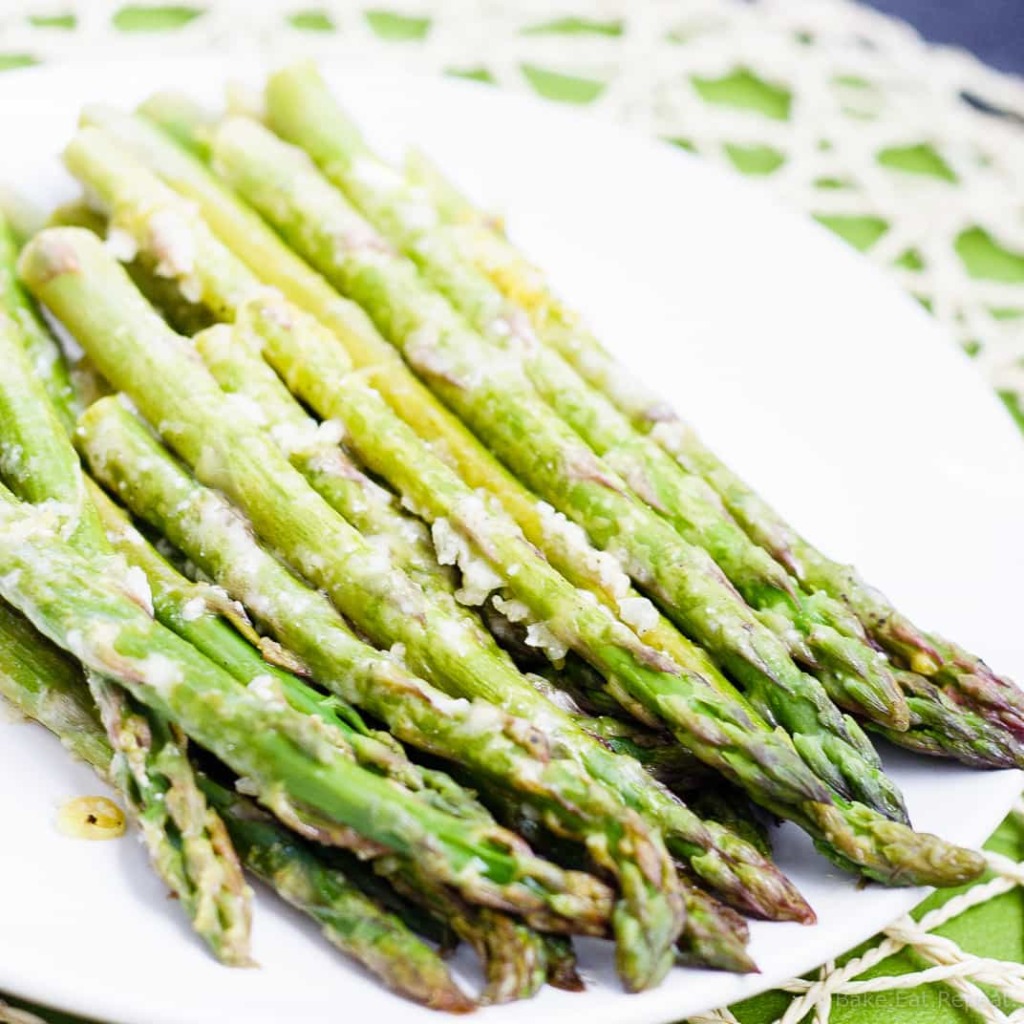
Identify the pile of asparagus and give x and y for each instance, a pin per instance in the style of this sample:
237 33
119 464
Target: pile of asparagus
350 558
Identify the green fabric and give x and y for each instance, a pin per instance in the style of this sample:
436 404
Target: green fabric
995 928
992 929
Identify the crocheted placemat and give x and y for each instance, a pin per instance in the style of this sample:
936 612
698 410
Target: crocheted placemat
912 153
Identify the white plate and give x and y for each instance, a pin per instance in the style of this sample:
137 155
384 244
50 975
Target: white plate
815 376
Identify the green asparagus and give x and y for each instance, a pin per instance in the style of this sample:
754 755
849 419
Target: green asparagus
490 393
45 685
185 838
167 514
211 271
302 779
181 398
252 241
43 352
302 110
993 706
224 281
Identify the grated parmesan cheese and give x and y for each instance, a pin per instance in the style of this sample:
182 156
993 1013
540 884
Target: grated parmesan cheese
137 586
173 241
539 635
121 244
638 613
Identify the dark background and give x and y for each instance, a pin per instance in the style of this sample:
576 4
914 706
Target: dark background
991 29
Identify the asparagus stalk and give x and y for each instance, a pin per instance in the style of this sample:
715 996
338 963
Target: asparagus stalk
305 781
349 919
45 685
36 457
224 282
302 110
43 352
185 838
862 843
196 612
262 250
501 405
187 122
239 458
314 450
993 704
513 955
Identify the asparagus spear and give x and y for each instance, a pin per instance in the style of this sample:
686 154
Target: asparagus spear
215 269
513 955
314 450
305 781
940 727
499 403
43 352
185 838
861 843
994 705
349 919
201 615
302 110
515 958
265 254
45 685
378 599
36 456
